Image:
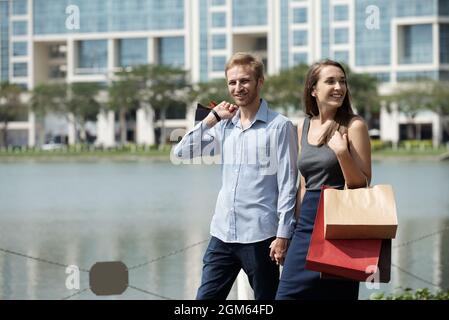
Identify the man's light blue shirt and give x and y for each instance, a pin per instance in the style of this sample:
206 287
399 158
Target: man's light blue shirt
259 174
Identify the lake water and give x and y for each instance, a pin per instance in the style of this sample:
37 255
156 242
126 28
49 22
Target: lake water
144 214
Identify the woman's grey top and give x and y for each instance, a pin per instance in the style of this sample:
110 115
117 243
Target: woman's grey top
318 164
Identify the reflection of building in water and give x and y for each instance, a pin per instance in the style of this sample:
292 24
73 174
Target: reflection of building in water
426 258
192 262
6 274
441 256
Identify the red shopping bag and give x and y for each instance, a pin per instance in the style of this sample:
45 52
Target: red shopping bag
351 259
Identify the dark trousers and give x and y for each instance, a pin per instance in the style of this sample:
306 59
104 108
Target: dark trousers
222 263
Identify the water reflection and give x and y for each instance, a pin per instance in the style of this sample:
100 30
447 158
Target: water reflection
80 214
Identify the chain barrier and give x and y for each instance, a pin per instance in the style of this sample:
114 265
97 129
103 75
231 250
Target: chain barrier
404 244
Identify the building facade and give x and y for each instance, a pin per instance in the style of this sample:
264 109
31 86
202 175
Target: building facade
44 41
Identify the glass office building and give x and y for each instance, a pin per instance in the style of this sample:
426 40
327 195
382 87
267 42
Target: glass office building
88 40
395 40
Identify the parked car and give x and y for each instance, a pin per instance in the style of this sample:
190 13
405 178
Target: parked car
52 146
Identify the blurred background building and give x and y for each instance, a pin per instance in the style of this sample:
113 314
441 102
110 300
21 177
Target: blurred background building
44 41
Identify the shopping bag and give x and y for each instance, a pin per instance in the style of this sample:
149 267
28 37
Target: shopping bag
380 273
356 259
201 112
364 213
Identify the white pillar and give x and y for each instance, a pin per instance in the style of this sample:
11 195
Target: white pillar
71 129
105 129
190 116
145 126
437 130
31 129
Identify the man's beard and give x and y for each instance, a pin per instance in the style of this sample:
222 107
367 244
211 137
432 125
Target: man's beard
249 99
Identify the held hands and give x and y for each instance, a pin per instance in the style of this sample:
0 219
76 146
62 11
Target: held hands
339 143
278 250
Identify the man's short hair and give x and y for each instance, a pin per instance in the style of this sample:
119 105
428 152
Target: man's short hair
246 59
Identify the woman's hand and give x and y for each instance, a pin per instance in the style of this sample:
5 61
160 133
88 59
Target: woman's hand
278 250
339 143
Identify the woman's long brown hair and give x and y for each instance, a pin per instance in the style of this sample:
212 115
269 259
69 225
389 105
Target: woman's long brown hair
344 113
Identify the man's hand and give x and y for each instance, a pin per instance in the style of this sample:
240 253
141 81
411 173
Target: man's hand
278 250
226 110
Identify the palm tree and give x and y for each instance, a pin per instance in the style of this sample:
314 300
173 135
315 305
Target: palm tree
10 106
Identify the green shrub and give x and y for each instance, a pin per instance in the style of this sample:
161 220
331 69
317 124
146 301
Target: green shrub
409 294
417 144
377 144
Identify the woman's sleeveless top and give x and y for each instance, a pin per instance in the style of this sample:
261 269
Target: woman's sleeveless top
318 164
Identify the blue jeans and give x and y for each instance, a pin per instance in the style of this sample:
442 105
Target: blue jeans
223 261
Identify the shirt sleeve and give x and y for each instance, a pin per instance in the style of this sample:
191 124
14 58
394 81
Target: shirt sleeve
287 175
198 142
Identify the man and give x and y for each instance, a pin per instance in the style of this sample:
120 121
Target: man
255 206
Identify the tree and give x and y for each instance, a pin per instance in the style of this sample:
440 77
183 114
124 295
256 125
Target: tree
82 103
62 99
205 92
285 89
412 98
161 87
11 107
123 97
46 98
364 92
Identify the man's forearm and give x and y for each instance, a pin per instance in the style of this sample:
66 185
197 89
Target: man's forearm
210 120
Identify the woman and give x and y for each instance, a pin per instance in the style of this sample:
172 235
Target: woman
335 150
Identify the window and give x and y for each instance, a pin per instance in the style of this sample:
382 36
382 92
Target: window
417 44
133 52
20 69
218 63
218 2
19 49
19 7
300 58
218 19
341 13
342 56
218 41
300 38
341 36
300 15
171 51
92 56
19 28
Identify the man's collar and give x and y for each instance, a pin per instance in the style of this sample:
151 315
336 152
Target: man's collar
261 115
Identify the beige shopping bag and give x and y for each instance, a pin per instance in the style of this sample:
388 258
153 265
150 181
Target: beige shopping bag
364 213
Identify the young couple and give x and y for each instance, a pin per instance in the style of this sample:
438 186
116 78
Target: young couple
262 219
